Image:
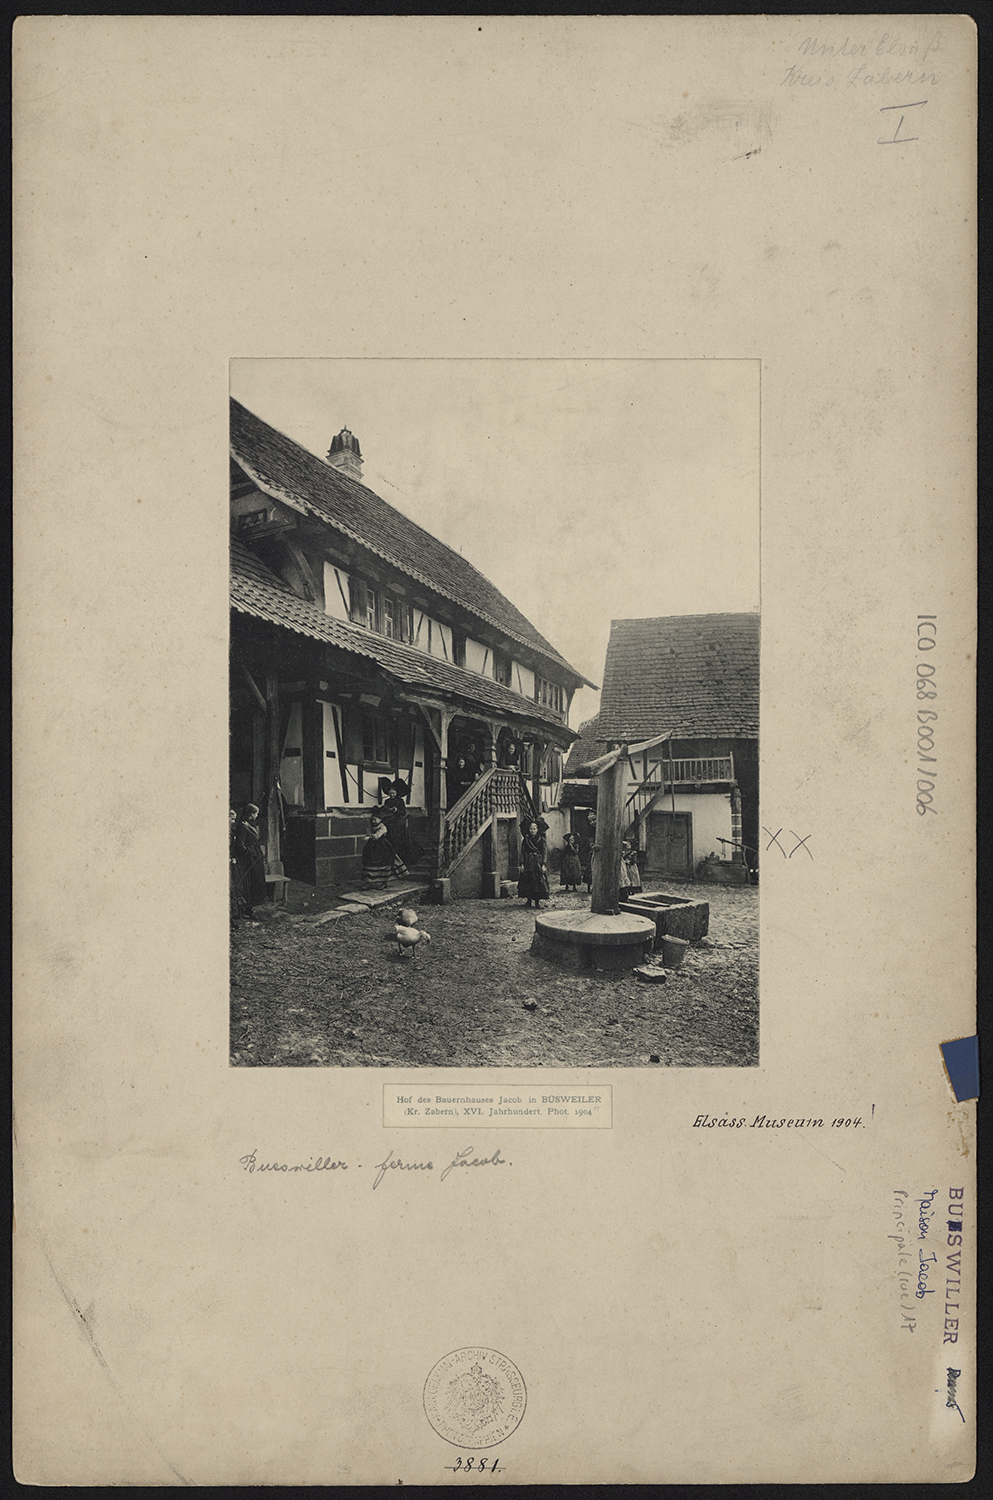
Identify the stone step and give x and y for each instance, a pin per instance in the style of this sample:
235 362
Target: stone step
405 890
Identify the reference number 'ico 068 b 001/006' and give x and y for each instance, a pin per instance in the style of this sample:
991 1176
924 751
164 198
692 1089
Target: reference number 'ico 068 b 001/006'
927 691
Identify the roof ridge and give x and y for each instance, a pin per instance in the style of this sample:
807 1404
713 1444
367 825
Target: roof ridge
536 642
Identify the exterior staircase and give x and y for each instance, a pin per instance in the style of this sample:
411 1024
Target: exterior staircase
497 792
668 774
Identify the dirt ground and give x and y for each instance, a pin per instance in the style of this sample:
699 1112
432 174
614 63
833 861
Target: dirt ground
340 995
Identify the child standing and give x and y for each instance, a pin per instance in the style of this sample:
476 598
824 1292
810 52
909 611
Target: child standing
572 870
630 873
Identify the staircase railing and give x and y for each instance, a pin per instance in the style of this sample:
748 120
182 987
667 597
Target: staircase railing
696 772
496 791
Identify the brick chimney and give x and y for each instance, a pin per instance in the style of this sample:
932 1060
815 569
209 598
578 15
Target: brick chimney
345 454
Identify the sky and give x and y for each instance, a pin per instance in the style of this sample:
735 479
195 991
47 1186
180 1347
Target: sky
586 490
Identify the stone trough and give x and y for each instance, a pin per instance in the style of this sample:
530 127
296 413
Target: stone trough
582 940
673 916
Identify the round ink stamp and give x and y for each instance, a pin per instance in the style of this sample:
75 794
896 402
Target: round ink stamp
475 1398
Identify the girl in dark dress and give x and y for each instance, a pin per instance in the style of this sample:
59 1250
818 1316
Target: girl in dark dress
379 858
251 860
394 812
572 870
532 883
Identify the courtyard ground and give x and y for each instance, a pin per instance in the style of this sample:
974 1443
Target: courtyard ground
338 994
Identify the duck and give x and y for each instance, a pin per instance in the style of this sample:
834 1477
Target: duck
408 939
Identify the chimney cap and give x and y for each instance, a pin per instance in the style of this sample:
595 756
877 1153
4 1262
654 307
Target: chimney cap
345 441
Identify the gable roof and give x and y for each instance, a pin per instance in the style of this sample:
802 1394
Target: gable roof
697 675
257 591
584 750
286 471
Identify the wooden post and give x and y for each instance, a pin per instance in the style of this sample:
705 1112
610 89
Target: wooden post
273 748
444 720
607 861
257 793
537 751
313 751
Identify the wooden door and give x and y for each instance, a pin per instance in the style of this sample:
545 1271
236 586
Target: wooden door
670 844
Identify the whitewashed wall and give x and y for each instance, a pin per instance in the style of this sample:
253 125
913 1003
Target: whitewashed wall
333 794
291 767
417 783
711 813
336 592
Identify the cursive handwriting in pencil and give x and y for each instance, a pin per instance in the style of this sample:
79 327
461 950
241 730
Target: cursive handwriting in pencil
388 1164
462 1160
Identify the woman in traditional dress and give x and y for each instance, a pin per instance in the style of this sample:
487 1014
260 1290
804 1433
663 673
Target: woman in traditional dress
235 880
251 860
572 870
588 861
532 883
379 858
394 811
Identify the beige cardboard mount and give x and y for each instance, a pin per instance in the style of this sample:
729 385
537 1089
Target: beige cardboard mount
681 1303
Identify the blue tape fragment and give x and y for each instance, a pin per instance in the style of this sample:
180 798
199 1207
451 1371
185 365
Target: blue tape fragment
962 1066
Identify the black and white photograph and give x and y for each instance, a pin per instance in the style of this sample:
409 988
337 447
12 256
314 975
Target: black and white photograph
494 800
494 713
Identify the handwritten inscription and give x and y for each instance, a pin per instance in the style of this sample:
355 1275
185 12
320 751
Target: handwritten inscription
927 718
904 1269
250 1163
899 136
925 1212
954 1376
886 59
801 843
313 1164
462 1160
925 1266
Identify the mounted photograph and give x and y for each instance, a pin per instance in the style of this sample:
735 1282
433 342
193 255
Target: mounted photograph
494 713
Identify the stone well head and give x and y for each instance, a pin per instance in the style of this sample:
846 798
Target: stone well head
586 940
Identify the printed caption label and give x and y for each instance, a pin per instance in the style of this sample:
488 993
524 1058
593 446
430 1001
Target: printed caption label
506 1106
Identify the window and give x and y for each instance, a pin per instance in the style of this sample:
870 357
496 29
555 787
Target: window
501 668
548 694
371 609
375 739
458 649
391 618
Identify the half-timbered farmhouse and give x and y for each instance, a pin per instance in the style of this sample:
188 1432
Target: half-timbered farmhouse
369 662
691 802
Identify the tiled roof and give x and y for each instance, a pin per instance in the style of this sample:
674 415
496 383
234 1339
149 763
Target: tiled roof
697 675
284 470
584 750
257 591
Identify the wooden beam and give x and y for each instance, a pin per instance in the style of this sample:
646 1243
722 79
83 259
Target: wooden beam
304 569
251 683
434 733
